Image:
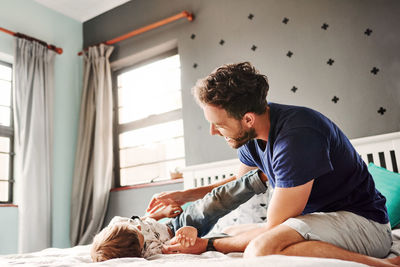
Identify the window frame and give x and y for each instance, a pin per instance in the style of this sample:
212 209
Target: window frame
140 123
8 132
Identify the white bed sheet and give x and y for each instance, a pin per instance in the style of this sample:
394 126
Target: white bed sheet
79 256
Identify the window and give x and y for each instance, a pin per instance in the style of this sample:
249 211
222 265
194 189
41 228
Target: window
6 134
149 134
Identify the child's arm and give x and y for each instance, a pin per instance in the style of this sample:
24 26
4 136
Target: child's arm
186 236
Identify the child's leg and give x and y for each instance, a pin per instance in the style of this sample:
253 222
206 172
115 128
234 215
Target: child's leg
205 212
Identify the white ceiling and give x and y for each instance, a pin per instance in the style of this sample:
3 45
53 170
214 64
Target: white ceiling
81 10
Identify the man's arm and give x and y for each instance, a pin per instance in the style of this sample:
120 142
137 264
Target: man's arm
225 245
182 196
243 169
285 203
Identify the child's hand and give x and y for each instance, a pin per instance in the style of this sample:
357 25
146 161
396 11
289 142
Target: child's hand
186 236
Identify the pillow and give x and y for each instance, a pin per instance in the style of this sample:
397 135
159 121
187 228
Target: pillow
388 183
252 211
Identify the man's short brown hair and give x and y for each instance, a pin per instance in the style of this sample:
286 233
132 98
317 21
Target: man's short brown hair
237 88
115 241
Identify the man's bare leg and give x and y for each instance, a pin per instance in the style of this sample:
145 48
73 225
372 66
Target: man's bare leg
326 250
284 240
240 228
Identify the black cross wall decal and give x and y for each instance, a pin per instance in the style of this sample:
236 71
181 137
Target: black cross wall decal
368 32
335 99
381 110
375 70
251 16
330 62
254 48
294 89
193 36
285 20
324 26
289 54
221 42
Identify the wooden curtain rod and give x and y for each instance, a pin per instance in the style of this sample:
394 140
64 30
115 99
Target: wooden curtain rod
183 14
58 50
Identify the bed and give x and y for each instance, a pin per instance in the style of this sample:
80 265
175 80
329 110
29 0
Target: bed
382 150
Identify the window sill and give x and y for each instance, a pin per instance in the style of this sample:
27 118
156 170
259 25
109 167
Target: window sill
122 188
8 205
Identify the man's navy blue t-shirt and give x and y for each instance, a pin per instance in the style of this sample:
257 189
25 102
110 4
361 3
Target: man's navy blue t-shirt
303 145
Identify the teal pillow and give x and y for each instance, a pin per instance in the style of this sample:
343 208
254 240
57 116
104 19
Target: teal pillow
388 183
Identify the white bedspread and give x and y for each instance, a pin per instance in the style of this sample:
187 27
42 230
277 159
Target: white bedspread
79 256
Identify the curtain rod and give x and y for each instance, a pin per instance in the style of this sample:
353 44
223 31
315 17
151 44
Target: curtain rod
183 14
58 50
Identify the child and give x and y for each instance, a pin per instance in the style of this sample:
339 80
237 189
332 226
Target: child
139 237
143 237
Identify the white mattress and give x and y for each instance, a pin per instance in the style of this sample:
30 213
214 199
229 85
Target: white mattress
79 256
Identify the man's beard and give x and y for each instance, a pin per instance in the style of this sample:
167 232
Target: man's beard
243 138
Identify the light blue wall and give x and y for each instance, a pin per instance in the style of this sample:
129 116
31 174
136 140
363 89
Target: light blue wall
8 230
28 17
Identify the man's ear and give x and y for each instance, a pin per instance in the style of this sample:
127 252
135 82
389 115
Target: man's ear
249 119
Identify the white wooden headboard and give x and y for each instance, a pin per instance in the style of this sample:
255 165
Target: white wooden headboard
383 150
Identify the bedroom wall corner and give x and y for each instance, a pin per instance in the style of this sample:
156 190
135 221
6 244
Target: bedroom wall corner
57 29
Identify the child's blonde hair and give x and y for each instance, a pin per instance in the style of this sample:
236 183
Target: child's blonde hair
115 241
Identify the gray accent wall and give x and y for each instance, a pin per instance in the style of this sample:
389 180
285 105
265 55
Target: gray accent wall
360 39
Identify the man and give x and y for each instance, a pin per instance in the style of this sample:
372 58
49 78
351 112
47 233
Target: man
324 204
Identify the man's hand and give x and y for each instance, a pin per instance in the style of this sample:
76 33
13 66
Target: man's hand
199 247
170 211
186 236
181 197
166 198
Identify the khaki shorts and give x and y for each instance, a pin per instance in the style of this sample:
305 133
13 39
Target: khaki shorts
346 230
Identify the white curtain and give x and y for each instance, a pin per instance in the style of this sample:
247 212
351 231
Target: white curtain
94 157
33 119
